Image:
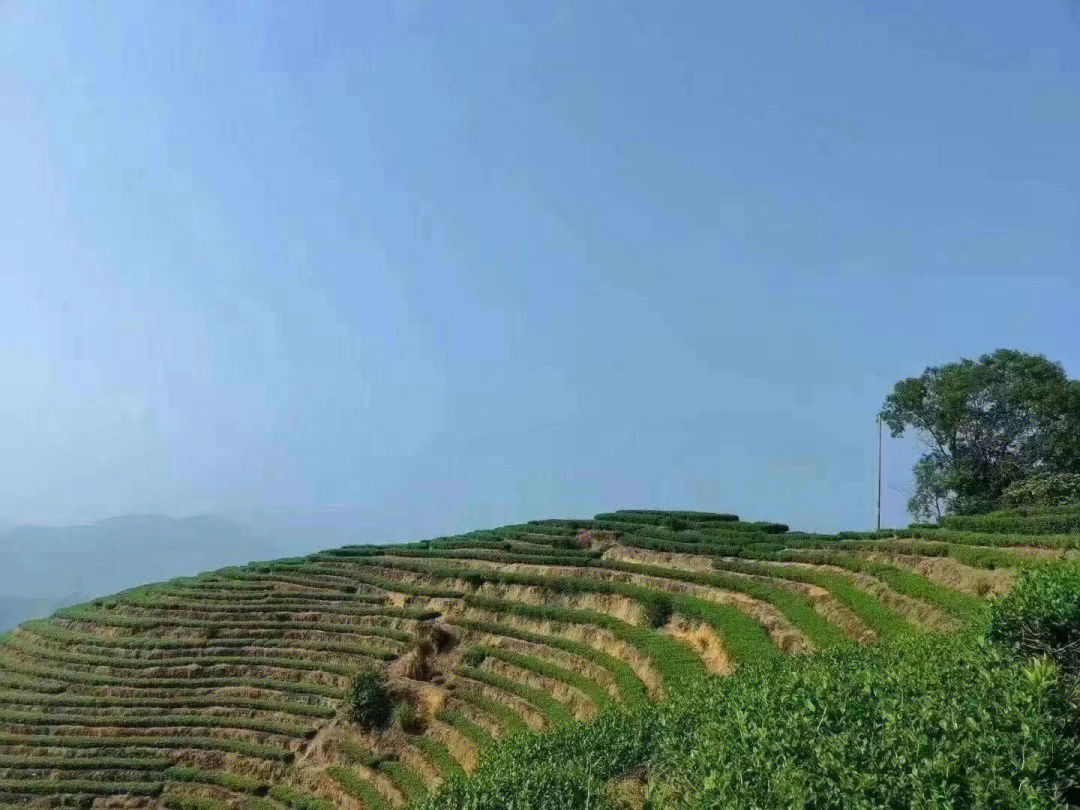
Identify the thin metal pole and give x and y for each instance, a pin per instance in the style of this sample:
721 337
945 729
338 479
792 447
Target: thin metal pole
879 472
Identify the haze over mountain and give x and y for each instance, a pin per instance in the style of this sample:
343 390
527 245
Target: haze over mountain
44 567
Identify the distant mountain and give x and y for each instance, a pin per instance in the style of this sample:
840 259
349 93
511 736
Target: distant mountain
14 610
44 567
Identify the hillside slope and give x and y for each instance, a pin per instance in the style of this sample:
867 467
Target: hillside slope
227 689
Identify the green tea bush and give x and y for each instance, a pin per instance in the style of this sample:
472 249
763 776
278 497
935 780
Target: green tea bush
553 711
509 719
1041 617
468 729
1050 521
569 767
926 722
631 689
658 609
356 785
369 699
439 754
411 785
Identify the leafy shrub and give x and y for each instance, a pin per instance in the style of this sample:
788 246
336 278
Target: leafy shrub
475 656
658 610
369 699
1041 617
404 717
1047 489
1021 521
926 722
474 579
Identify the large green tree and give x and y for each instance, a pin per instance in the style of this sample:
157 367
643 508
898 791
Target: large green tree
985 424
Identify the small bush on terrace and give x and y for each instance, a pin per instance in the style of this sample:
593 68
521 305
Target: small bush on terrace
1041 617
369 699
658 609
404 717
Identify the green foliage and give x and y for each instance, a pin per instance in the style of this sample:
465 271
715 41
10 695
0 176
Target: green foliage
194 803
986 424
882 619
440 755
658 609
470 730
356 785
933 494
659 517
509 719
369 699
47 787
404 717
631 689
474 656
234 746
1018 521
355 753
567 768
1045 489
232 781
921 722
1040 617
597 694
553 711
238 661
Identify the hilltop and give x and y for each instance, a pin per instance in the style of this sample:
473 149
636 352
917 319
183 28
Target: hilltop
229 688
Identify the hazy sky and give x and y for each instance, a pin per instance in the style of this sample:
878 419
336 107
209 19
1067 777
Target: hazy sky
419 267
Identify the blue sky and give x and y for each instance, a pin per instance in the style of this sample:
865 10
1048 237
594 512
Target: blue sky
402 269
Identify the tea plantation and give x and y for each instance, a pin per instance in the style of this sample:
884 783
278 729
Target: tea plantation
638 659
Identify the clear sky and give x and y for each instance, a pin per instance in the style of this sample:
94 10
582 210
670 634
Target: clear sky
410 268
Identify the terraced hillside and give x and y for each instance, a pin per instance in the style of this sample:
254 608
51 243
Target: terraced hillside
228 689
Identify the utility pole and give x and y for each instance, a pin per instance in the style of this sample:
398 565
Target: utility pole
879 472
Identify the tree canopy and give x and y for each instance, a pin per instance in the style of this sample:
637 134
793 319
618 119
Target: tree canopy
986 424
